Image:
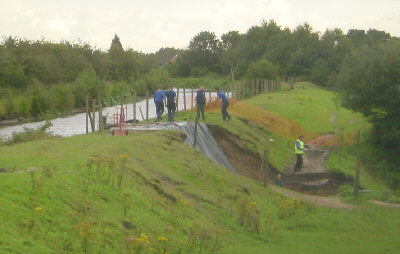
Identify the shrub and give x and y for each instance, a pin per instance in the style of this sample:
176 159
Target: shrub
262 69
288 208
23 108
30 134
198 71
247 214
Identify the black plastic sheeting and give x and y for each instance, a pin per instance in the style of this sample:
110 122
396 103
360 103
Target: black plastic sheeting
205 143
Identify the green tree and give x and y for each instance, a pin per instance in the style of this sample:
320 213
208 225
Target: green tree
230 57
11 72
369 82
262 69
205 50
36 107
64 97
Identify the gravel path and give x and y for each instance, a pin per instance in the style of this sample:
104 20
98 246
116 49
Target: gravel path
313 199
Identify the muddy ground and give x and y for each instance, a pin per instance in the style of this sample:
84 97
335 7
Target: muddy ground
313 179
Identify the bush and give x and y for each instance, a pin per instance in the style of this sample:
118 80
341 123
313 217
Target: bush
29 134
65 100
24 107
86 83
262 69
288 208
156 78
198 71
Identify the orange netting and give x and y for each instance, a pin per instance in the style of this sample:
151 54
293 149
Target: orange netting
281 125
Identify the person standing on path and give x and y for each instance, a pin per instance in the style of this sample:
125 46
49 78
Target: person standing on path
171 103
159 97
225 104
201 102
299 151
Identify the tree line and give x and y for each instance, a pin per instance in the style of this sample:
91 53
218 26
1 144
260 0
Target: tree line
38 78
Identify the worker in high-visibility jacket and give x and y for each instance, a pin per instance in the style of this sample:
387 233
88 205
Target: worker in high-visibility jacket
299 151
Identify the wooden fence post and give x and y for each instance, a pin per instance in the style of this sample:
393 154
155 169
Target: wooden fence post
266 86
141 113
134 107
357 179
87 114
177 101
357 138
147 105
192 100
93 115
271 85
340 148
101 120
264 167
184 98
258 86
357 176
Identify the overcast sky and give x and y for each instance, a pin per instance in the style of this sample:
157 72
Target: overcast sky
148 25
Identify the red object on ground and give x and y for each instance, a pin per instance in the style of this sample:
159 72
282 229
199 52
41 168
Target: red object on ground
120 121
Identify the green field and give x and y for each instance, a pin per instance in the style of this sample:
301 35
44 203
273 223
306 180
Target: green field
315 109
104 194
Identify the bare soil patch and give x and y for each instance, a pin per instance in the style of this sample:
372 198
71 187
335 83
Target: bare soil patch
314 179
313 199
246 162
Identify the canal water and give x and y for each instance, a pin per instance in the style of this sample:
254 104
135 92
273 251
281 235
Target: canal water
76 124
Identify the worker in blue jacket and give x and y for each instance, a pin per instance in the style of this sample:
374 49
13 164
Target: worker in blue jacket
201 102
159 97
225 104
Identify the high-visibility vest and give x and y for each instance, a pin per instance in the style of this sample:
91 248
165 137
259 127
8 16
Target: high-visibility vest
298 151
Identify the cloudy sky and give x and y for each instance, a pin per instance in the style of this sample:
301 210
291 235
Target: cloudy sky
148 25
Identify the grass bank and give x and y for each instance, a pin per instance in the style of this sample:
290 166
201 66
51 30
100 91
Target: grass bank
312 111
150 193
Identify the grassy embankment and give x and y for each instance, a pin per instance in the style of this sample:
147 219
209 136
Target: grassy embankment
150 193
313 112
317 112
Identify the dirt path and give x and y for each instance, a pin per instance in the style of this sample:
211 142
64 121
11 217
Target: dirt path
316 200
314 179
376 202
314 160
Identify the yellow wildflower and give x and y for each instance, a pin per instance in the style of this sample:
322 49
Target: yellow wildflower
162 239
253 204
144 236
39 209
124 157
